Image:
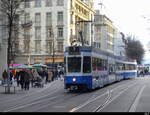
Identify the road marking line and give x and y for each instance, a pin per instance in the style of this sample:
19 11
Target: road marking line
87 102
107 100
116 97
134 105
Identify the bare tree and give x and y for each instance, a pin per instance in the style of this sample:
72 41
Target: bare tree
9 9
134 49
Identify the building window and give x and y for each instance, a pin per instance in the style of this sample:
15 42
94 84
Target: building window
60 32
60 17
37 3
27 34
60 2
37 19
26 45
49 47
37 46
37 33
48 3
71 19
48 19
60 47
49 32
27 4
26 18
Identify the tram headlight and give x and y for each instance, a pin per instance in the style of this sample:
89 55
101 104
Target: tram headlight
74 79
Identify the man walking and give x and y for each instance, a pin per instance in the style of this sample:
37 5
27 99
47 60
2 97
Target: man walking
27 80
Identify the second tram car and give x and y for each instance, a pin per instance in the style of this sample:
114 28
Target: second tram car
90 68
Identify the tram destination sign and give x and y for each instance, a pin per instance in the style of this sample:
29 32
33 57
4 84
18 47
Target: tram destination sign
74 51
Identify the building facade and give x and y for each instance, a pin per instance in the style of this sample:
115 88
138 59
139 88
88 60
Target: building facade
119 47
48 26
104 31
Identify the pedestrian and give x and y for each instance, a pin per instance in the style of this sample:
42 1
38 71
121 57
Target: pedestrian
11 77
55 74
50 75
31 77
22 78
61 74
45 74
27 79
5 76
36 77
17 78
142 73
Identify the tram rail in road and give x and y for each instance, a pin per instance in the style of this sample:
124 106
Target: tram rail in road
108 99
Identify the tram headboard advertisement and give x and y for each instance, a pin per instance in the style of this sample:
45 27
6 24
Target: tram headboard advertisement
74 50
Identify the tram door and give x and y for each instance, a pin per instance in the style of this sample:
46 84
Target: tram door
111 73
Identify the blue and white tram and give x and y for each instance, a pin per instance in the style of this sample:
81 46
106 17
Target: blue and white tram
125 69
130 70
90 68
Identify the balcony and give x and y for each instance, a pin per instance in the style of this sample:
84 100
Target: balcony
26 24
60 23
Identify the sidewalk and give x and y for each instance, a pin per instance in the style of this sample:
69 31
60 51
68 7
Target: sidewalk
18 90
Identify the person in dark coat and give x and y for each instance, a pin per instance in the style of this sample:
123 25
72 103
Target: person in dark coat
52 75
27 79
31 77
5 76
11 77
45 75
22 78
17 78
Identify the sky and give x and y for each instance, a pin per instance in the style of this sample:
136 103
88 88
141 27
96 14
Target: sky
132 17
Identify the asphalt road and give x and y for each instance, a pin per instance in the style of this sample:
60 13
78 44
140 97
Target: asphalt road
126 96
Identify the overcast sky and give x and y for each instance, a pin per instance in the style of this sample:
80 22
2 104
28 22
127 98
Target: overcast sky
130 17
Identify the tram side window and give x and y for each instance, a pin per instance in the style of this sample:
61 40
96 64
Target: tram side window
124 67
74 64
87 64
111 68
119 67
132 67
94 64
99 64
105 63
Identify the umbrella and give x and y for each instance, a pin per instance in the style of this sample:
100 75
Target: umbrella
11 66
22 67
39 65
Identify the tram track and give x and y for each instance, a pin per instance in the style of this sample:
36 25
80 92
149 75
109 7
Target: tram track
108 97
47 98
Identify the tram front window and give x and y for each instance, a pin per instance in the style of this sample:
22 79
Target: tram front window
74 64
